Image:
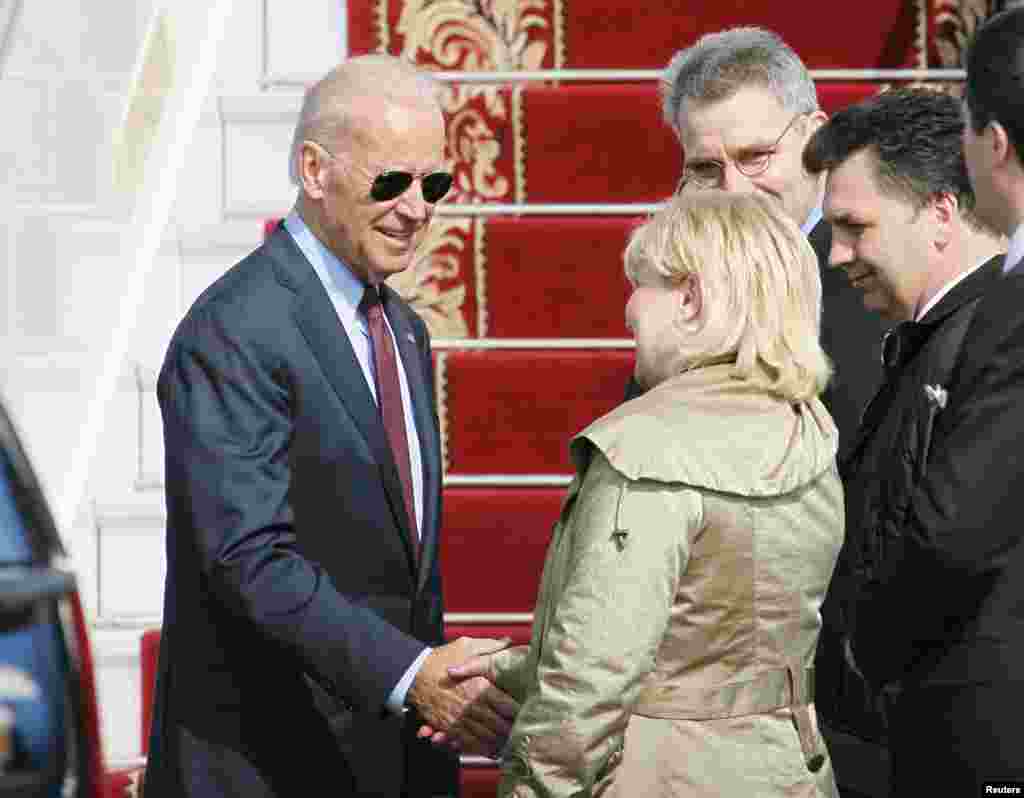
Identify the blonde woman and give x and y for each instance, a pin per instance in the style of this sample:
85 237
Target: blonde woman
678 614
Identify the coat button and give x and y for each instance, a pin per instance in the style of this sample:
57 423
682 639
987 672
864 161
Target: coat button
815 763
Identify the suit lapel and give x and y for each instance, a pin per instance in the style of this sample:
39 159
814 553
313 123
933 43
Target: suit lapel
318 322
425 427
988 327
820 238
963 292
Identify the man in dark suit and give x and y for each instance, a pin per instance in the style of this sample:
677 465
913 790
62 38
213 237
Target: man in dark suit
906 236
743 105
303 600
943 620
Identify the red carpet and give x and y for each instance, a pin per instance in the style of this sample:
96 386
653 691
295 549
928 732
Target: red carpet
624 34
514 411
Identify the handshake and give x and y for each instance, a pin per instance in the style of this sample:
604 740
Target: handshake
455 695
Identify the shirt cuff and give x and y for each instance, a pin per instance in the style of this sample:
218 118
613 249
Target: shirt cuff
396 701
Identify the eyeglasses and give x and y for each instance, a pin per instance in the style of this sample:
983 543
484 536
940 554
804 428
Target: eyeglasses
752 163
393 183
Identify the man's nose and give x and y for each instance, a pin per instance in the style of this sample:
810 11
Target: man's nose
840 252
412 204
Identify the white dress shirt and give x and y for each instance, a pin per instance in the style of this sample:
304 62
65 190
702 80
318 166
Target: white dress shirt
812 221
946 289
1016 251
345 291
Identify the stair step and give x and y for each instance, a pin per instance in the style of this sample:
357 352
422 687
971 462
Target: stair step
624 34
505 526
554 277
575 142
515 411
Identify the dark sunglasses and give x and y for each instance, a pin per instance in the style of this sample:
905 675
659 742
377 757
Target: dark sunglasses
389 185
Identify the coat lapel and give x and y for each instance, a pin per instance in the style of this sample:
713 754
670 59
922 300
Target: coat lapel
966 290
318 322
975 347
426 428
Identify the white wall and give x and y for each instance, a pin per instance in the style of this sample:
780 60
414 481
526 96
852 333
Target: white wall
71 84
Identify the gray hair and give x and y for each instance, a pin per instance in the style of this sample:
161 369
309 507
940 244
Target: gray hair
328 103
722 63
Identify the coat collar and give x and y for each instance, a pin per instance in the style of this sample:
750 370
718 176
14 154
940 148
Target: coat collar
709 429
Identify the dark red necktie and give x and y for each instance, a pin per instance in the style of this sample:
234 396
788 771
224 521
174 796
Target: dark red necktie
389 400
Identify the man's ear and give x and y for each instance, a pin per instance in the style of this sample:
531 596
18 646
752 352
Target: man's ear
945 209
691 298
816 120
999 140
312 170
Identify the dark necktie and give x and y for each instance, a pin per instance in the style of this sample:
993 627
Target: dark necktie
900 345
389 399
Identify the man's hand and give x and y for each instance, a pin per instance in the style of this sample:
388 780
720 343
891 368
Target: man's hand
480 665
473 714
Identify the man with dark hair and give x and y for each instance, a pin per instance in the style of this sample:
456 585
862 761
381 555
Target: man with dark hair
905 234
907 605
944 617
743 106
994 137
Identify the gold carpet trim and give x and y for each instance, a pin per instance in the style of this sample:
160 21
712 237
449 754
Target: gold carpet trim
441 393
383 29
480 261
519 142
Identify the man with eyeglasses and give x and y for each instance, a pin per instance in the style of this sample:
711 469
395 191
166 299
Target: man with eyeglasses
302 644
744 105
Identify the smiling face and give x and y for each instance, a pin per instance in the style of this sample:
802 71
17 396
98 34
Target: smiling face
882 243
375 239
753 129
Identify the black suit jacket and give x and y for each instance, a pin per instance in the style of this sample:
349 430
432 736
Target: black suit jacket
959 617
884 464
292 604
850 335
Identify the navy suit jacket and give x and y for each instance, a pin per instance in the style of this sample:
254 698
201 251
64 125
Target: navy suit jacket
293 603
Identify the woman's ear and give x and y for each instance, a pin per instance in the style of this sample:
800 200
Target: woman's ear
691 299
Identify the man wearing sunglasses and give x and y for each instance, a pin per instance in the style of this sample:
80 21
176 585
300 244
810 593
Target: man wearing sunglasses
743 105
302 643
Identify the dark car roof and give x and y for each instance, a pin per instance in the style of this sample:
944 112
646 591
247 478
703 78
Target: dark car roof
40 529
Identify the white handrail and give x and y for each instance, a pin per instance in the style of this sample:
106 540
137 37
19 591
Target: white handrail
637 75
139 762
533 343
551 209
629 75
141 622
505 480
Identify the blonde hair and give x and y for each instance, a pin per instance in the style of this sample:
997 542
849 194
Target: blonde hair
328 103
759 285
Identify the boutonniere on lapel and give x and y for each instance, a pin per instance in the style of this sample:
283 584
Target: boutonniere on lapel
937 396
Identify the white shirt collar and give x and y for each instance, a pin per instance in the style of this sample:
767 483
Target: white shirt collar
812 221
1016 251
343 287
947 288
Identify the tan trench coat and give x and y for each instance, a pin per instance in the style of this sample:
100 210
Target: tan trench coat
678 613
